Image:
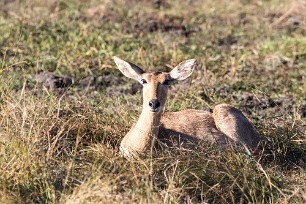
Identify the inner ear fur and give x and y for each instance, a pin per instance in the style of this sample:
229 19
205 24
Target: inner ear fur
129 69
183 70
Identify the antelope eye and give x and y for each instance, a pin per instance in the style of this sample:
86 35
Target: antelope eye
166 82
143 81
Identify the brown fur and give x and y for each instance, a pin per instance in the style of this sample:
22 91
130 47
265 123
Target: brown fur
224 124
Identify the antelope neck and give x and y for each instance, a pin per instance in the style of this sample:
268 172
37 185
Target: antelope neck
142 134
147 122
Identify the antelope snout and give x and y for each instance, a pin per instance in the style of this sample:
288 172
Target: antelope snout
154 105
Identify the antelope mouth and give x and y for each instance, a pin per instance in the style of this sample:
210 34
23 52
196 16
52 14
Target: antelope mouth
155 110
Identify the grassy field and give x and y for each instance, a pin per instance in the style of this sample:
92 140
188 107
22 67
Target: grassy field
59 137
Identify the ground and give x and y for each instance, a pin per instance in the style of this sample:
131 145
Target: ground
64 107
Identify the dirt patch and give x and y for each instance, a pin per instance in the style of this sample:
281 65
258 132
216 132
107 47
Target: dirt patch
291 16
123 89
53 82
302 111
226 41
261 105
251 101
112 85
99 81
160 4
265 104
165 24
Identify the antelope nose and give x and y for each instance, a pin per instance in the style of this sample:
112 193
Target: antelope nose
154 104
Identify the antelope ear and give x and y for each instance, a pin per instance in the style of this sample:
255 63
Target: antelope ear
183 70
128 69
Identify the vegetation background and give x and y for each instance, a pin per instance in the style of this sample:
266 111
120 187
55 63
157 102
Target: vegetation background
64 106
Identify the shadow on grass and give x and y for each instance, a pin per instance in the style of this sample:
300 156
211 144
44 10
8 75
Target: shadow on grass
284 148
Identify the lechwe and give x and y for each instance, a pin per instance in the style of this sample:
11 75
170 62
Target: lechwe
225 124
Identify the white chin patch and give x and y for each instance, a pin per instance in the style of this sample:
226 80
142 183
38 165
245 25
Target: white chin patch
156 110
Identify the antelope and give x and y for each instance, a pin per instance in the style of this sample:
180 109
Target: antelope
223 125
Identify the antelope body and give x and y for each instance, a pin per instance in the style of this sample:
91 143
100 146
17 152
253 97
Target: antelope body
224 124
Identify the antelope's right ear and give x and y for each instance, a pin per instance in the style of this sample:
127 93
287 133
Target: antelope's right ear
128 69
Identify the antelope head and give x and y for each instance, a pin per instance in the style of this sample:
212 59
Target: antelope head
155 84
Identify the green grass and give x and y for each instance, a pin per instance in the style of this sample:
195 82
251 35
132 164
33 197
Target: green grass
62 146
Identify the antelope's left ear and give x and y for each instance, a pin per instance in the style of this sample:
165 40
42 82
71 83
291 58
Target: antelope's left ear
183 70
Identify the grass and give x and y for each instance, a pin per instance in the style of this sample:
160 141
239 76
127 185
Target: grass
61 146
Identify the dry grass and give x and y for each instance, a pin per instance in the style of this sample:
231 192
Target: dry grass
61 145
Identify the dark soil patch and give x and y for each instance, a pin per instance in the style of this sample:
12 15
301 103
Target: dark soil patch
302 111
52 81
260 105
264 105
112 85
291 18
227 40
282 149
165 24
257 102
160 4
100 81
